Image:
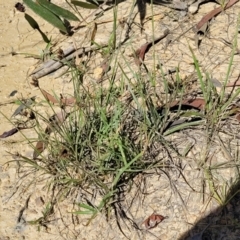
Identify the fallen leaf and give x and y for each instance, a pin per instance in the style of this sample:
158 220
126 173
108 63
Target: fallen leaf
233 84
48 96
39 148
153 220
9 133
68 101
214 13
63 101
238 117
197 103
140 53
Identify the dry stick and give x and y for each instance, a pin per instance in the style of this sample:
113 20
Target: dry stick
47 64
59 64
214 13
53 65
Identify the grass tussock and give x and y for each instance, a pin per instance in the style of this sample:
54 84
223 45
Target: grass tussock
117 131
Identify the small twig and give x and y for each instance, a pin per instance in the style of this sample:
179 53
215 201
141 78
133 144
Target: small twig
47 64
57 64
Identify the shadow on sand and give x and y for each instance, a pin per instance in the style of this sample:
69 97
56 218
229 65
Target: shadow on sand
221 224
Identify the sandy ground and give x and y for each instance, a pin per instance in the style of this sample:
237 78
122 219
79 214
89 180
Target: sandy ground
26 205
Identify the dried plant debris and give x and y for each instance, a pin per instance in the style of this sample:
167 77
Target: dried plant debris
202 27
9 133
19 6
153 220
197 103
140 53
61 101
24 105
213 14
53 65
55 122
141 4
15 130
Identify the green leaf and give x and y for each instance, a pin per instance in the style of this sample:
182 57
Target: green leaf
46 15
35 25
31 21
88 209
84 5
58 10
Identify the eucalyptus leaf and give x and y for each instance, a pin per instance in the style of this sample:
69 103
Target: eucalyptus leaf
35 25
84 5
31 21
58 10
46 15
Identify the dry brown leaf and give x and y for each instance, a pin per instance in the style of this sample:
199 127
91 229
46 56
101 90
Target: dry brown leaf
233 84
140 53
197 103
39 148
9 133
214 13
63 101
238 117
49 97
68 101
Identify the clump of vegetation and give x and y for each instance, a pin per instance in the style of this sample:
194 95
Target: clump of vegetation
97 144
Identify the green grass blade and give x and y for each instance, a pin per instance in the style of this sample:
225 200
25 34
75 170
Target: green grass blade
88 209
183 126
199 74
84 5
58 10
123 169
46 15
